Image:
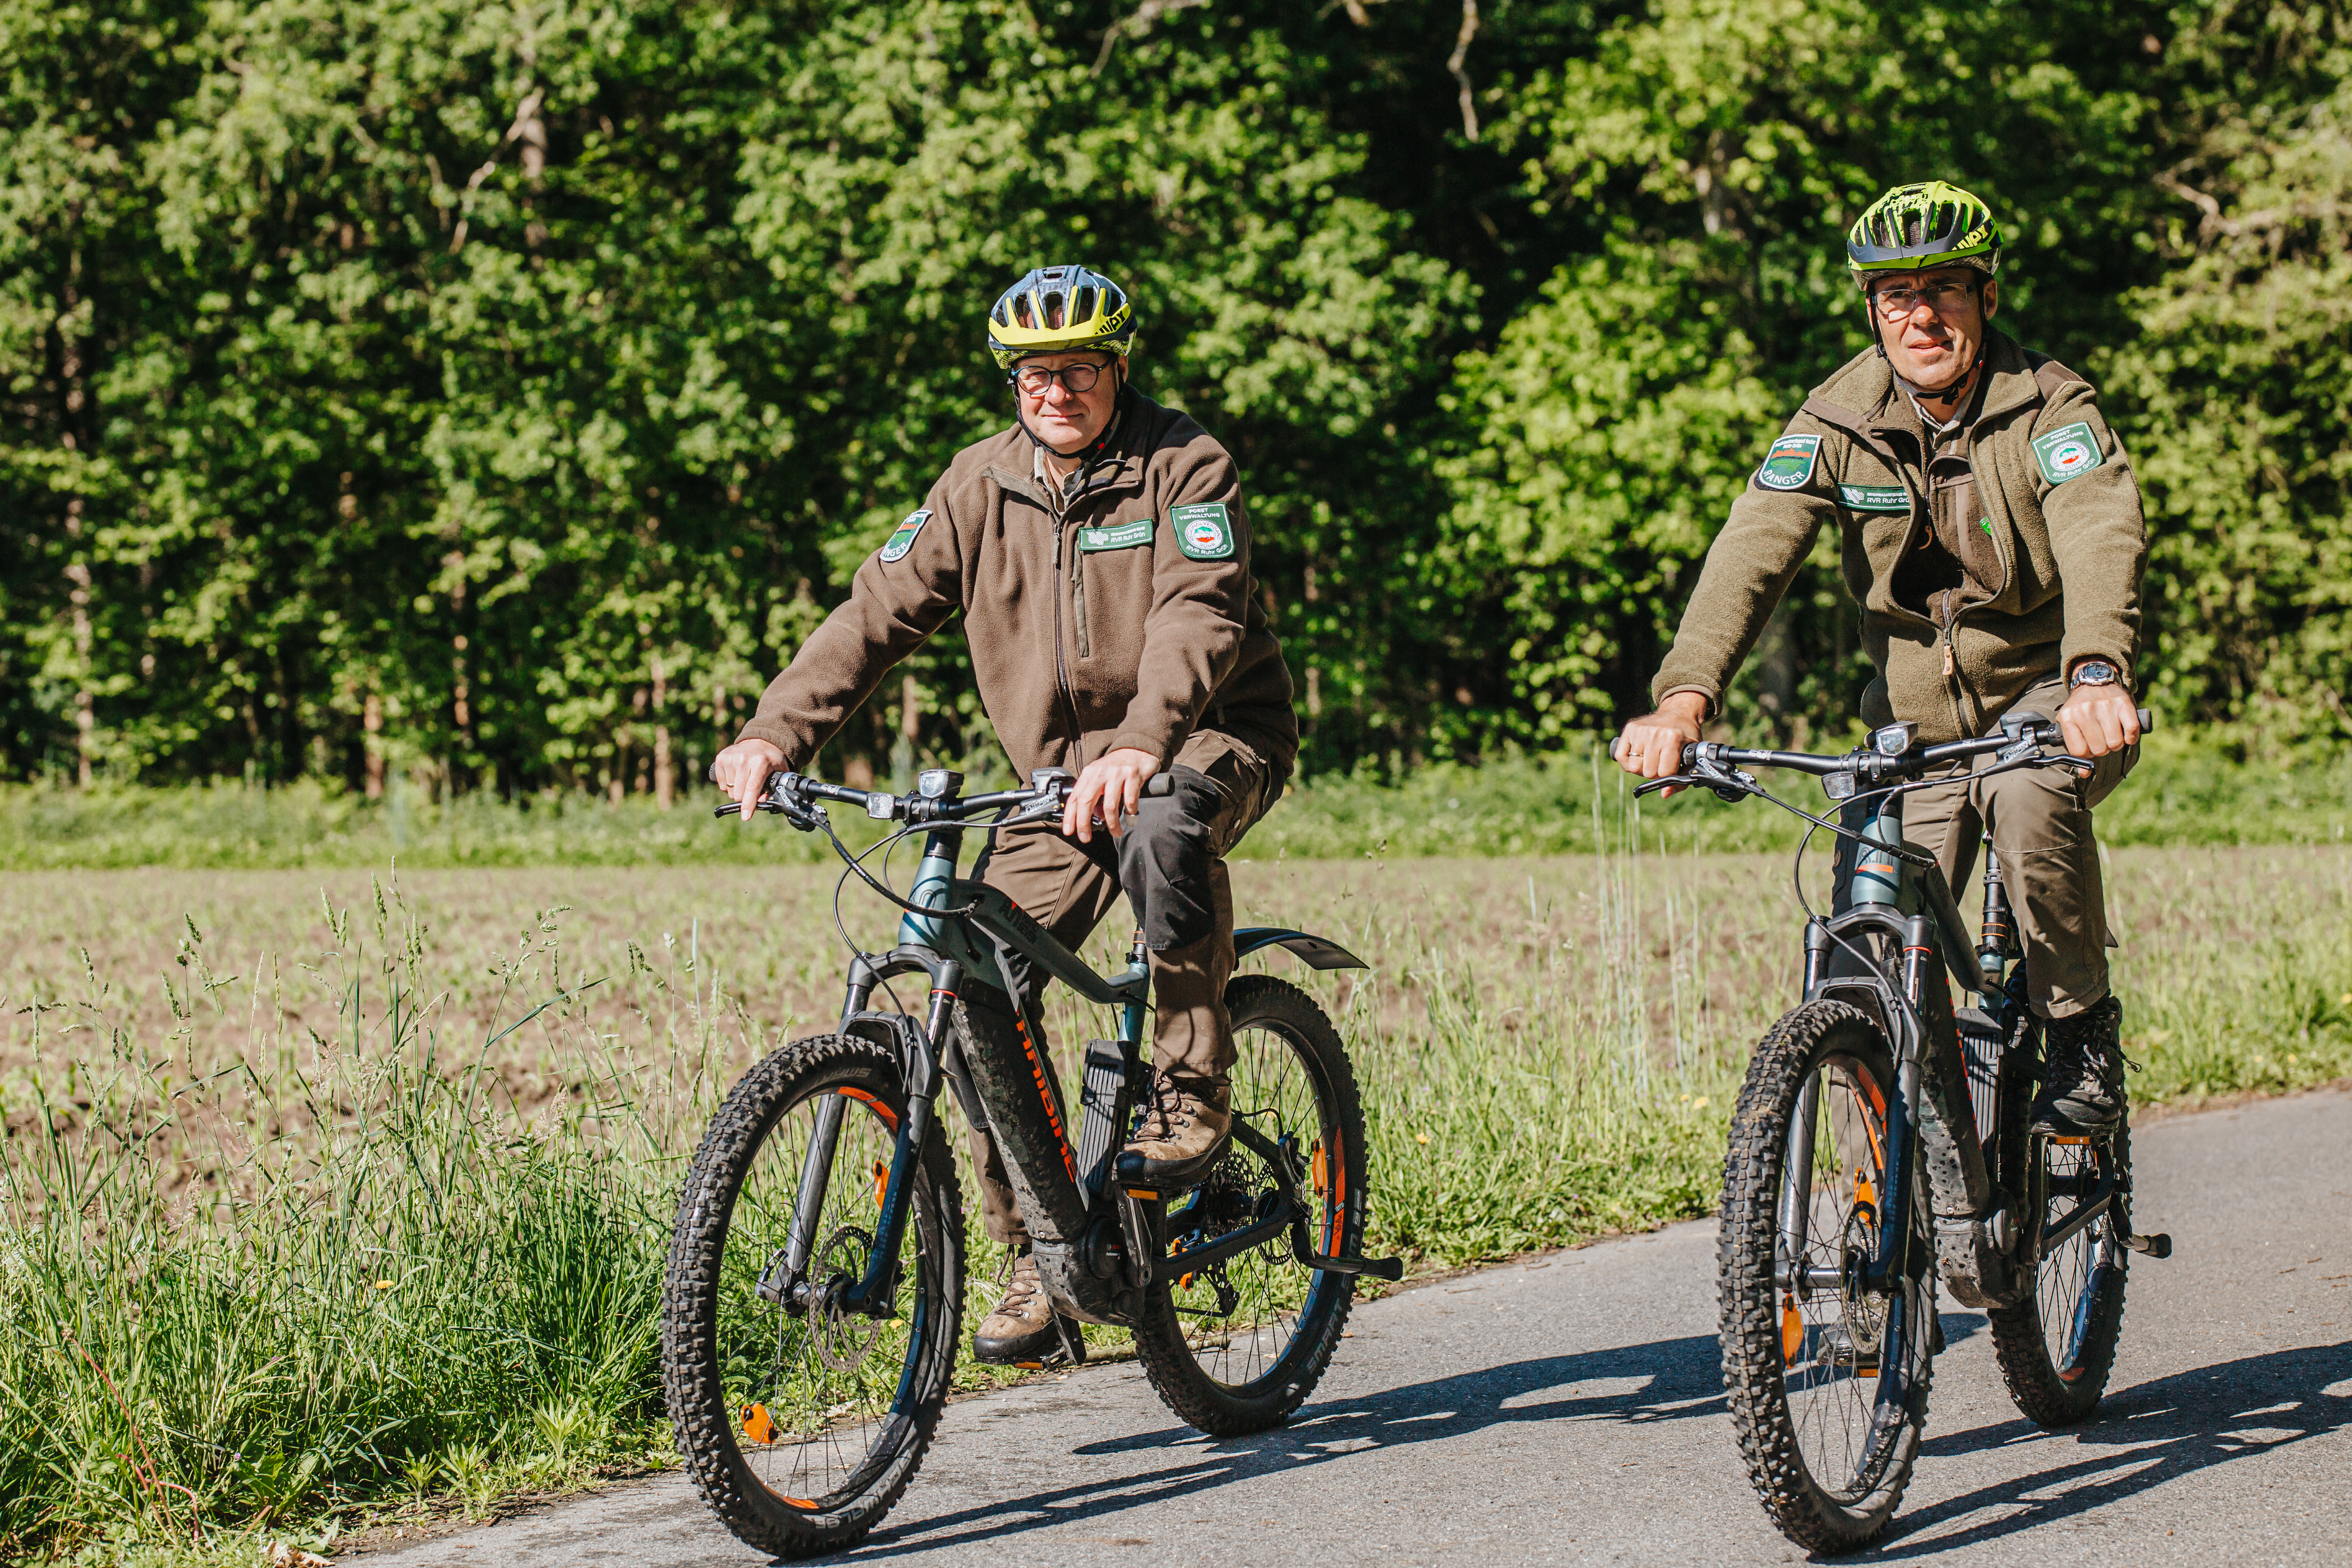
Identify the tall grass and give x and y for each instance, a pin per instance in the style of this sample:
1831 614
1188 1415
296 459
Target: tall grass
339 1269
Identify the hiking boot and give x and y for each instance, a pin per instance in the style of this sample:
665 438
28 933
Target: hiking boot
2082 1073
1187 1125
1021 1329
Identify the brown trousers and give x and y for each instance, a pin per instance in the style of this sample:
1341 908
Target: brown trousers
2040 819
1170 862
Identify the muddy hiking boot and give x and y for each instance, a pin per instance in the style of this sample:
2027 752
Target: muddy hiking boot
2082 1072
1021 1329
1187 1126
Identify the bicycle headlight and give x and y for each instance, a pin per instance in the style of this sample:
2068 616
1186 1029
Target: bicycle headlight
1895 738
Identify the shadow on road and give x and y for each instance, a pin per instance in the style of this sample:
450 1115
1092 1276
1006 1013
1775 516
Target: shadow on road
1663 1381
2142 1437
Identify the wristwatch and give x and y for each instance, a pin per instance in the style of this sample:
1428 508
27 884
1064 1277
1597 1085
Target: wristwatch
2093 672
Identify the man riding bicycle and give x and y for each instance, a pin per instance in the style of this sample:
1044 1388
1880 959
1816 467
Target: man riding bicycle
1992 531
1099 553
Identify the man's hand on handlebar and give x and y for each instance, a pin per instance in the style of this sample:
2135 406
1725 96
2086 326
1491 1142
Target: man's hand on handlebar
2097 720
1108 789
1651 746
742 770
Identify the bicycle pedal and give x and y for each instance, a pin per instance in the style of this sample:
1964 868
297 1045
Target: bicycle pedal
2156 1245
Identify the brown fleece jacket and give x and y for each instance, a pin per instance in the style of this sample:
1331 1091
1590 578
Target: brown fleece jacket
1129 620
2055 504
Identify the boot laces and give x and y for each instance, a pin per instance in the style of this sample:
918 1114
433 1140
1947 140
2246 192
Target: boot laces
1021 1287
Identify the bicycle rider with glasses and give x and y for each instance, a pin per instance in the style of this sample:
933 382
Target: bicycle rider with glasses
1099 553
1992 531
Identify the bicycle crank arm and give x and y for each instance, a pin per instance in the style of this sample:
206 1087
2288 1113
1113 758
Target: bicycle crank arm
2089 1209
1257 1233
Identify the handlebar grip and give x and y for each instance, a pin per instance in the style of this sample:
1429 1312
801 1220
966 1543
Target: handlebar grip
2147 721
1160 784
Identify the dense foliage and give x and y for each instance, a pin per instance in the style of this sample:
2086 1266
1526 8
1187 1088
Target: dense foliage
496 393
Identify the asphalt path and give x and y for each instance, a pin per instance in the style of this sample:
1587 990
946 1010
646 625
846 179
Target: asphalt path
1569 1409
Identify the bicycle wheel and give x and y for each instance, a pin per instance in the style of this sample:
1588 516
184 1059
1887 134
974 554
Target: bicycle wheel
2057 1345
1238 1346
1827 1381
802 1421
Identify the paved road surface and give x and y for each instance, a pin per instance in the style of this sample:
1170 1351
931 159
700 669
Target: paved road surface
1568 1410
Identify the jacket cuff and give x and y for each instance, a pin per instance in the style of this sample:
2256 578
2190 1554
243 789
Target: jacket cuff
1136 740
1714 696
777 737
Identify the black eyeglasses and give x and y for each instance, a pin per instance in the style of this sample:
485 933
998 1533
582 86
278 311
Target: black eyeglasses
1035 380
1894 304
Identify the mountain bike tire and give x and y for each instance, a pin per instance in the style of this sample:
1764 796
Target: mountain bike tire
1227 1351
801 1429
2056 1347
1828 1456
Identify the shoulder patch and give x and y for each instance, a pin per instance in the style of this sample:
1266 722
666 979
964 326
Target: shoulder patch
1790 463
1204 532
2068 453
1875 498
1117 536
902 538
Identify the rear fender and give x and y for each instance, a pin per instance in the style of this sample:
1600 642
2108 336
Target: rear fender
1317 953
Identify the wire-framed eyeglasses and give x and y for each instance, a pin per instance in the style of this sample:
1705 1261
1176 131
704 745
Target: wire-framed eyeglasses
1894 304
1035 380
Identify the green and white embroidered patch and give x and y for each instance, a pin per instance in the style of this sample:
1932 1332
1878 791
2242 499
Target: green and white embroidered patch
1118 536
1203 532
902 539
1875 498
2067 454
1790 463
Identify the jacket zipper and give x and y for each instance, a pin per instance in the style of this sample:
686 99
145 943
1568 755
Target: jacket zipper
1061 663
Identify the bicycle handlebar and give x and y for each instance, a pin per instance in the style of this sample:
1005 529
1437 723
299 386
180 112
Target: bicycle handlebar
1906 761
784 792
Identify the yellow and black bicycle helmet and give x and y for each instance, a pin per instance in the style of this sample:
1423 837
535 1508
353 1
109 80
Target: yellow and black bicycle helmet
1060 309
1917 227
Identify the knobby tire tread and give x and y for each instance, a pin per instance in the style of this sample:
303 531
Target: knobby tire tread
692 1385
1190 1394
1750 1327
2021 1346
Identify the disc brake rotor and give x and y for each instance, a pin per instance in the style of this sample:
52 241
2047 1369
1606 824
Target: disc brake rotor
842 1338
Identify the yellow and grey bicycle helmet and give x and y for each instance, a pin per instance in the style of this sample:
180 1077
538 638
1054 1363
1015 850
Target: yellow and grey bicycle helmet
1917 227
1060 309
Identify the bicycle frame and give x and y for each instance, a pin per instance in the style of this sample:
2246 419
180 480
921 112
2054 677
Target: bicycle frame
1931 1121
1098 1242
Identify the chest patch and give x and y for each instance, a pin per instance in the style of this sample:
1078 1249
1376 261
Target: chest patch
1204 532
1117 536
1875 498
902 538
1790 463
2063 454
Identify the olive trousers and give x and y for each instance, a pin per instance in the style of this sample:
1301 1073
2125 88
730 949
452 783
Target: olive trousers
1170 862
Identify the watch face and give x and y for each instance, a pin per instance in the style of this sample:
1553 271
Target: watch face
2094 673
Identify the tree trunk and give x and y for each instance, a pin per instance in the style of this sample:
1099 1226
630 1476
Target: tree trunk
372 727
665 785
